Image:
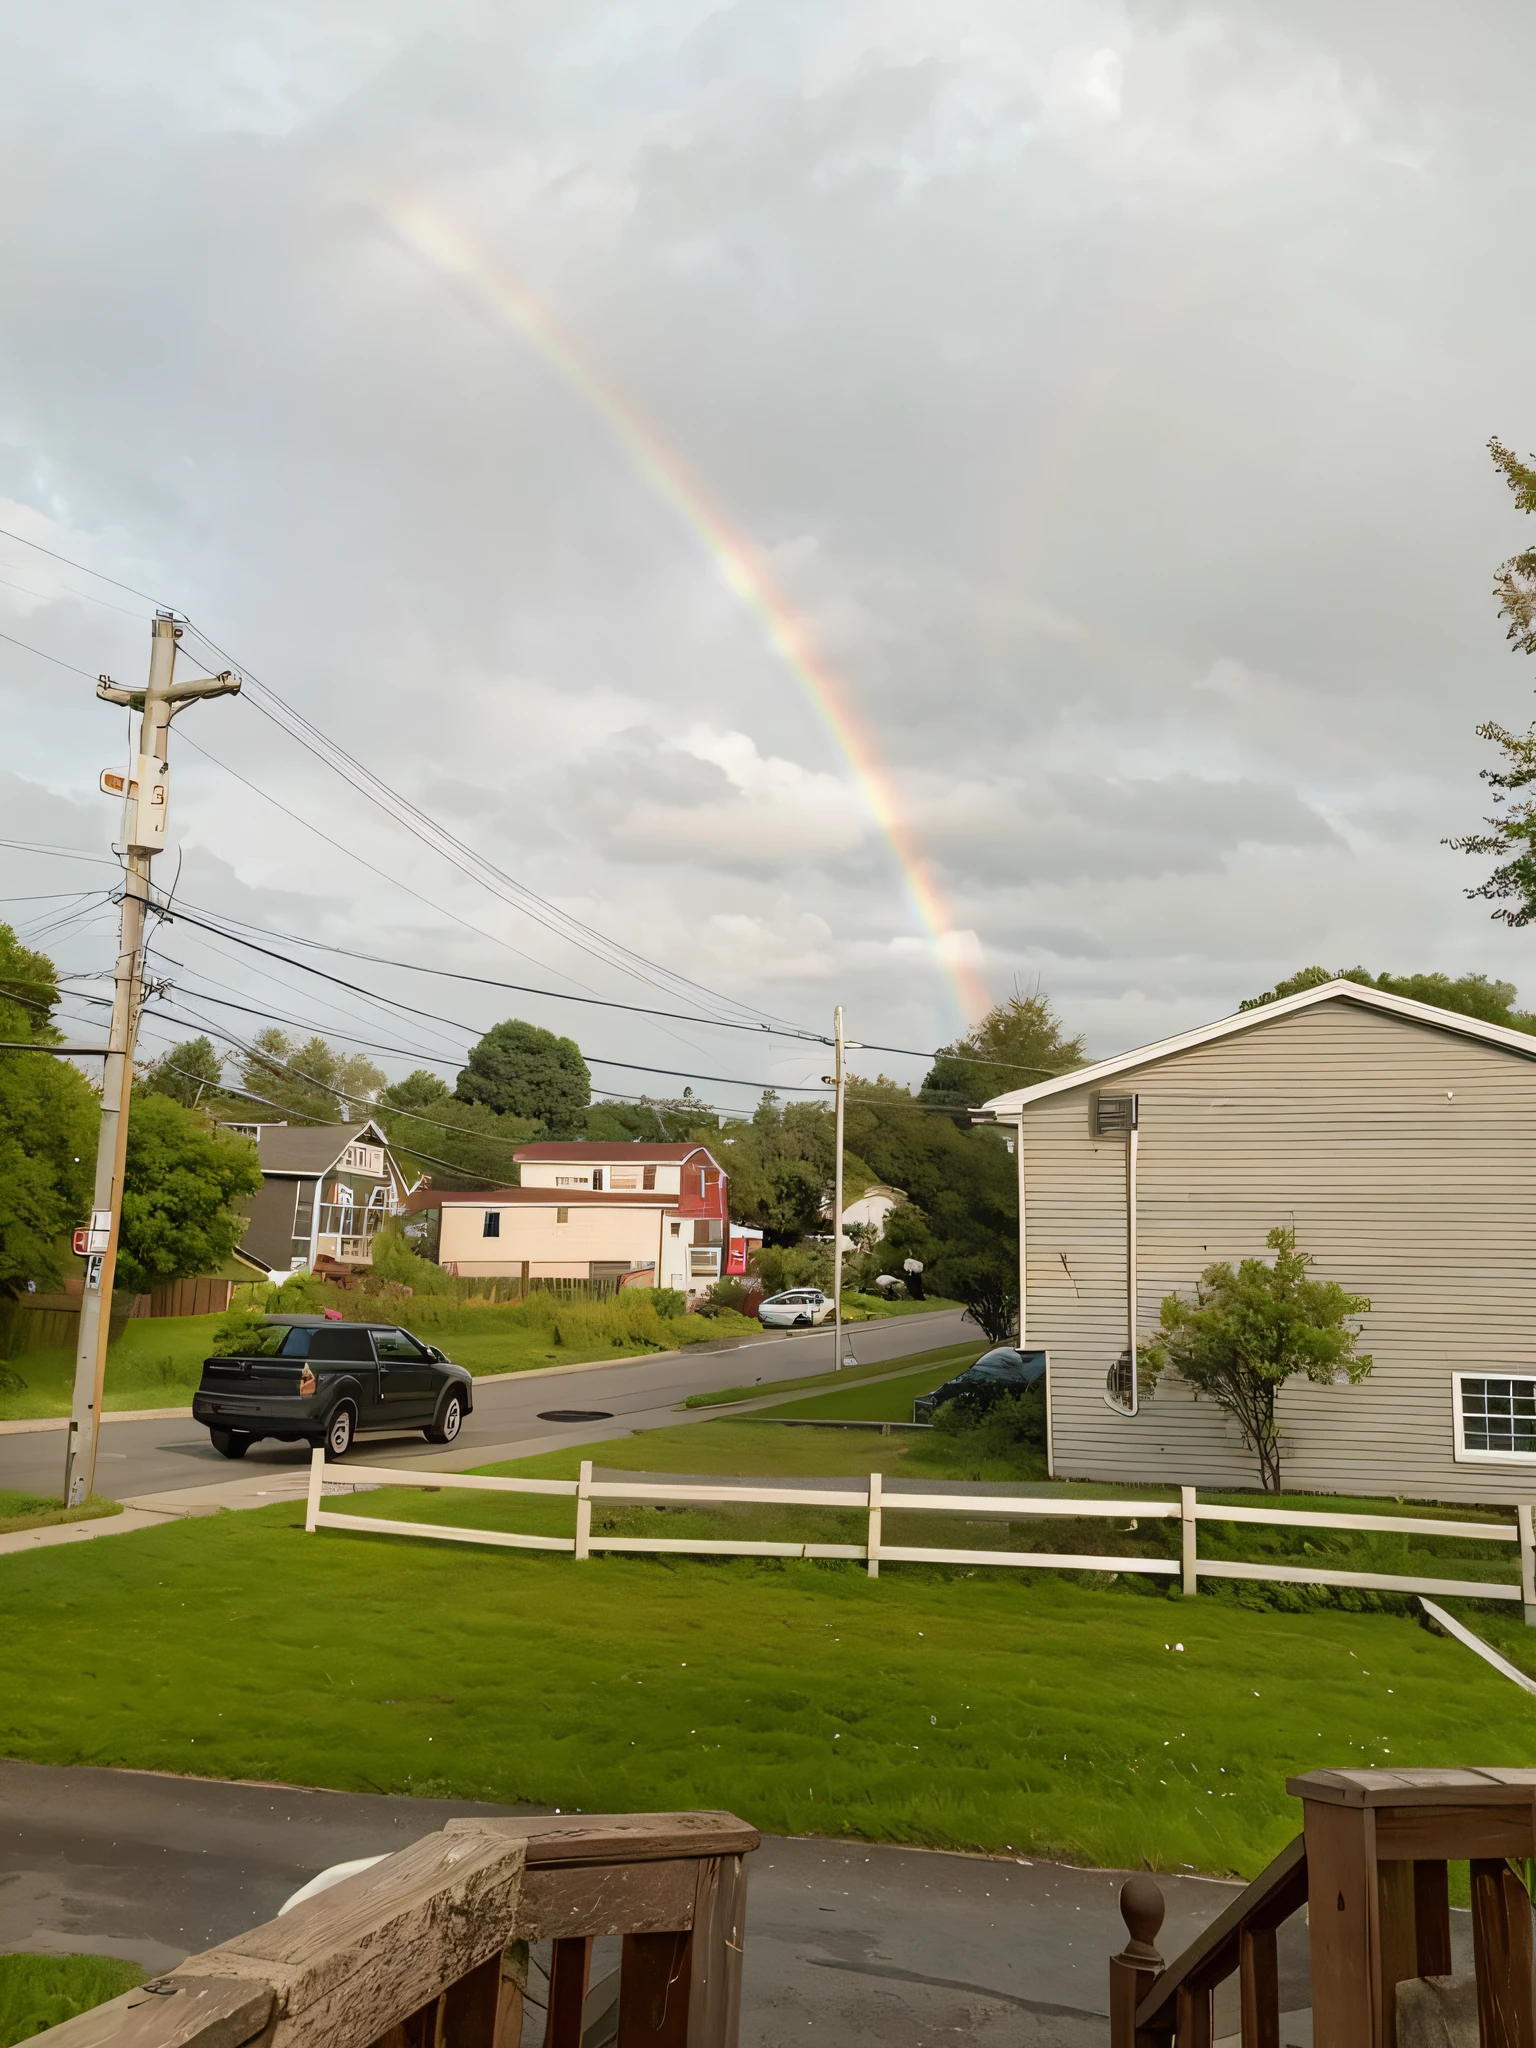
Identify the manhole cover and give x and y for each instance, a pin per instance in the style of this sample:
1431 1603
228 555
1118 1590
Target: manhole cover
575 1415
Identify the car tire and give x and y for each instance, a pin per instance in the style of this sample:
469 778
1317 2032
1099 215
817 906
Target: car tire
230 1443
449 1420
339 1431
802 1322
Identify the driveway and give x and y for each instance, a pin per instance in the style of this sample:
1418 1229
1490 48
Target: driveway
152 1457
848 1945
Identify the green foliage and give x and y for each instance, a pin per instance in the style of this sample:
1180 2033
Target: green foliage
660 1121
456 1144
1511 836
1007 1428
781 1165
394 1261
38 1992
519 1070
1017 1043
1247 1332
726 1297
191 1073
181 1185
780 1267
298 1080
1473 995
49 1115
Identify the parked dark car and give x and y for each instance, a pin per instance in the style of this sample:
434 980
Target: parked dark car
995 1373
316 1381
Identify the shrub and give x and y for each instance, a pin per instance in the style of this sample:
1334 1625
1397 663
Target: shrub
395 1262
1001 1425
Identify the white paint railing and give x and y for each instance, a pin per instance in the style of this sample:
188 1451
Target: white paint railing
871 1500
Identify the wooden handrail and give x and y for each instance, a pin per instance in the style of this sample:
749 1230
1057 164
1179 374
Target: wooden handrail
427 1949
1240 1938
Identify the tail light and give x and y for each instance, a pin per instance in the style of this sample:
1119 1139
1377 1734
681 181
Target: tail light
307 1381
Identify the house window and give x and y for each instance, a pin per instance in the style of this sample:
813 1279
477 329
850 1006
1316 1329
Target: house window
677 1230
492 1225
1495 1415
597 1180
650 1178
625 1178
570 1180
562 1215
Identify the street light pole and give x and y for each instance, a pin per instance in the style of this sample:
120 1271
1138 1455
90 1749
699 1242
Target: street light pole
146 804
839 1082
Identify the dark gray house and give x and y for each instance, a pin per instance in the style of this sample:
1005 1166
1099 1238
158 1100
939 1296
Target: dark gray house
325 1189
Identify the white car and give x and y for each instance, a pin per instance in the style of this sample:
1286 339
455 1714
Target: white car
801 1305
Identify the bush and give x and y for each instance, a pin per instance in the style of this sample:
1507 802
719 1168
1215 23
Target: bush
802 1265
243 1333
726 1297
395 1263
1002 1425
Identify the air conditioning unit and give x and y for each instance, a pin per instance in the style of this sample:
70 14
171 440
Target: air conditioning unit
1111 1116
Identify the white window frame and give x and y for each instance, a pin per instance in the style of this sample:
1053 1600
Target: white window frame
1458 1417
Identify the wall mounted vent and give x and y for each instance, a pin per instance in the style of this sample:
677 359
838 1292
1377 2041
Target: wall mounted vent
1112 1116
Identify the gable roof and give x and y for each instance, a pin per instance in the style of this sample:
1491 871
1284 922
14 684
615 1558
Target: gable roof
617 1152
1520 1042
311 1148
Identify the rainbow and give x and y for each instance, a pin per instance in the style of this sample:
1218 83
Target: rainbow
444 246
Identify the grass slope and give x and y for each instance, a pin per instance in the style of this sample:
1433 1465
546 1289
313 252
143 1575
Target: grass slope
1038 1713
158 1360
38 1510
41 1991
886 1401
951 1357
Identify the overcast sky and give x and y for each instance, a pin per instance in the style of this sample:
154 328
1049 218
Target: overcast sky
1105 387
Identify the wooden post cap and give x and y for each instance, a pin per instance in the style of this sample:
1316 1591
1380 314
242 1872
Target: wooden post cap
1142 1909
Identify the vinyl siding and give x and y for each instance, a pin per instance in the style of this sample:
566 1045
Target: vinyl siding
1403 1154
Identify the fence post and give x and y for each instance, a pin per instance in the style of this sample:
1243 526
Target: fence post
316 1477
584 1510
1189 1529
874 1524
1527 1563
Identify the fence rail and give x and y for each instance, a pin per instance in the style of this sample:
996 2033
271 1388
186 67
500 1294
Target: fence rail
872 1500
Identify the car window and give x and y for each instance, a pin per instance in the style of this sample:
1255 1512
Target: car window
397 1345
335 1340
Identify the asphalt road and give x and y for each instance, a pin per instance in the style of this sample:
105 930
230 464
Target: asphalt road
848 1945
638 1393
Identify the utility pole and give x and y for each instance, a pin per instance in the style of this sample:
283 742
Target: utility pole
146 804
838 1079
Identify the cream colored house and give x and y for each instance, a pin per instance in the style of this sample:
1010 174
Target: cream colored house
1399 1140
588 1211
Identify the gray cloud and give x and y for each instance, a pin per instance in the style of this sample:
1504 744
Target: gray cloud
1105 387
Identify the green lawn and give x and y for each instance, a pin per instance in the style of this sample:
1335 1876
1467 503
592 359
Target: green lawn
1039 1712
40 1991
37 1511
886 1401
951 1358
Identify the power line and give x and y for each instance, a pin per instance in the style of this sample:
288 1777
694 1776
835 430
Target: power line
37 547
27 648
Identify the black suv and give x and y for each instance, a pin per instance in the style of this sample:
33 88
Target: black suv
995 1373
311 1380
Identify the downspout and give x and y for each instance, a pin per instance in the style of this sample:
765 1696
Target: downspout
1130 1257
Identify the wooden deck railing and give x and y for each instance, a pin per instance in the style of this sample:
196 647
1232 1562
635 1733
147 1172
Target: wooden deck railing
428 1949
1370 1866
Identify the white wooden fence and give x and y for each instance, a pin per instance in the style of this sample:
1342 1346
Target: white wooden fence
871 1501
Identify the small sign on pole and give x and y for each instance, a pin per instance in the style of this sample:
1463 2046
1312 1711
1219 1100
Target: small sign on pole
92 1242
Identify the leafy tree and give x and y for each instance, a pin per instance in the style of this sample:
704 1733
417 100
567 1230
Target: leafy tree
1512 828
780 1165
1474 995
49 1116
181 1186
661 1120
519 1070
1017 1043
191 1073
299 1079
455 1144
1247 1332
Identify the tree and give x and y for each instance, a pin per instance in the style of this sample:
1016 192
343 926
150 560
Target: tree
49 1115
457 1144
519 1070
181 1185
308 1082
780 1166
654 1120
1247 1332
191 1073
1474 995
1017 1043
1512 830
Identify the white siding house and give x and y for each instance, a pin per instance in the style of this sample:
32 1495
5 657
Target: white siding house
1399 1140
